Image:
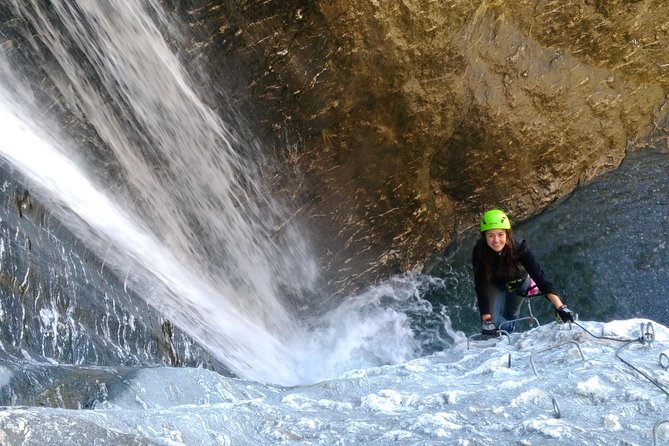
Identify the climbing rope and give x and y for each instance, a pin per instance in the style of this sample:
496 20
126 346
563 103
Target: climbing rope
647 337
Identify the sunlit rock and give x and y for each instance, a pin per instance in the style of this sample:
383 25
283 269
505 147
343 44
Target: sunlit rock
397 123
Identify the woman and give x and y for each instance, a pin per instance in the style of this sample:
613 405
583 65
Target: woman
504 269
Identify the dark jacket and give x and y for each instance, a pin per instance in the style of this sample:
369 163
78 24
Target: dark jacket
527 264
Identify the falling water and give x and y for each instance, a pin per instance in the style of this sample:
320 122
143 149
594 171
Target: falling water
181 214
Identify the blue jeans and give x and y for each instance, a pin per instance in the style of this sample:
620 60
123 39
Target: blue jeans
507 306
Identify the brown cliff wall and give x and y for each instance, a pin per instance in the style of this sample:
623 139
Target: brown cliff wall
398 122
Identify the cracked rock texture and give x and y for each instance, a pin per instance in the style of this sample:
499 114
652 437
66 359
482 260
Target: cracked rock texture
396 123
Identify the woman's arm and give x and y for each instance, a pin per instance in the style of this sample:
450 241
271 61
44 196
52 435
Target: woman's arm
555 299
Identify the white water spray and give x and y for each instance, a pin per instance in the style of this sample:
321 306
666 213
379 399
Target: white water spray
189 224
199 236
246 346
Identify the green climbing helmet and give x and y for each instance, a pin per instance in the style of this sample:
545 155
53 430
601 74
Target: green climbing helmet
495 219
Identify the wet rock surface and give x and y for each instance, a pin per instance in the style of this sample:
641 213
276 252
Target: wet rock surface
60 304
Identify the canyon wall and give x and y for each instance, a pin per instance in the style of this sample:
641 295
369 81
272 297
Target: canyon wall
397 123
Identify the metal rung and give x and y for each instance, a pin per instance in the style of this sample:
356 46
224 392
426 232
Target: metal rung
664 356
551 348
481 337
655 430
513 321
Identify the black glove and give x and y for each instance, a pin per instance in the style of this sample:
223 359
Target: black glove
565 314
488 328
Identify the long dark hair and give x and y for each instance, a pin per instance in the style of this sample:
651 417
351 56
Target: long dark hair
490 264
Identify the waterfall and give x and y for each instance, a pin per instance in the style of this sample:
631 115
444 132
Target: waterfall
181 212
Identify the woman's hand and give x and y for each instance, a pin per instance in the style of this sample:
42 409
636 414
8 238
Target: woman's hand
565 314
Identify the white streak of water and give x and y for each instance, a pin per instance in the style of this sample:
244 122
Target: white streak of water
246 346
181 215
190 215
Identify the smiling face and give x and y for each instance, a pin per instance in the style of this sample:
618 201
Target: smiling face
496 239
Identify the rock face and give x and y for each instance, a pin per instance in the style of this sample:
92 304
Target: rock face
399 122
59 301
